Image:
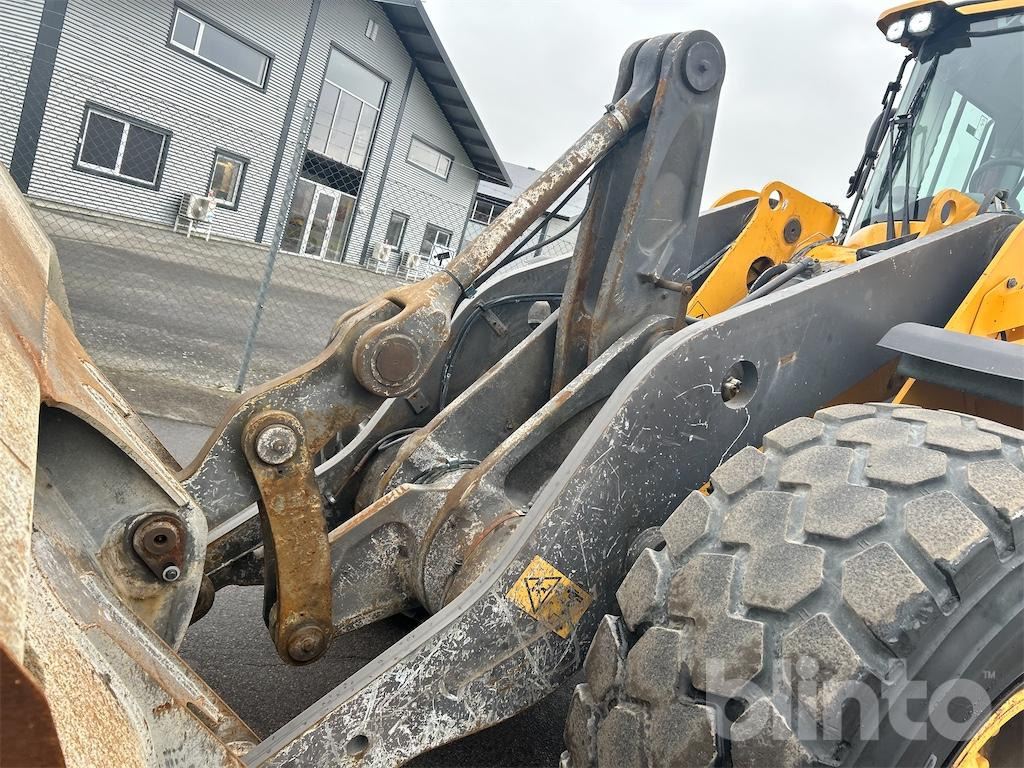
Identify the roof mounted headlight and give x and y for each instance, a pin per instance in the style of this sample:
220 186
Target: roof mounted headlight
910 23
895 31
921 23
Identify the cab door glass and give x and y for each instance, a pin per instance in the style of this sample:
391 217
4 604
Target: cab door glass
961 139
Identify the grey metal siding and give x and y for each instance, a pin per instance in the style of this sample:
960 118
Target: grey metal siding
341 23
17 41
128 66
443 203
423 196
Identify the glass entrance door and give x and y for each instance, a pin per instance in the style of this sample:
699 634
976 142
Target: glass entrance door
319 221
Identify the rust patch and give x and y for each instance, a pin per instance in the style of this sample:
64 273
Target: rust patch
291 511
29 734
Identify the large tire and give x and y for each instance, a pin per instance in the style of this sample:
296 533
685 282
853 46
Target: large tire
858 555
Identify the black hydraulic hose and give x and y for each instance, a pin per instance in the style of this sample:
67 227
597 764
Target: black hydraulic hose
890 216
519 250
905 229
479 309
777 282
767 275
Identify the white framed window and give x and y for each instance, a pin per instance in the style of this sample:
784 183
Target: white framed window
424 156
347 112
371 29
226 177
121 147
396 229
219 48
436 243
485 211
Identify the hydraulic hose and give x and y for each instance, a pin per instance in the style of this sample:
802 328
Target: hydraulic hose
777 282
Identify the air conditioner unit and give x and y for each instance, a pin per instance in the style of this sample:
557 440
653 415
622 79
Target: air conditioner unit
200 208
383 251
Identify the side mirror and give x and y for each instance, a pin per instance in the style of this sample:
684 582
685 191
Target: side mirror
874 139
871 145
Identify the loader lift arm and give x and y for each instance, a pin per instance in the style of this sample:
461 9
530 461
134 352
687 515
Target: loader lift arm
383 349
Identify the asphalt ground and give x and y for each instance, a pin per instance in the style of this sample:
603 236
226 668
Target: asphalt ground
147 300
231 649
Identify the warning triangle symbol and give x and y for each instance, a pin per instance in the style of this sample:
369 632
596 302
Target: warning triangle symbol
539 588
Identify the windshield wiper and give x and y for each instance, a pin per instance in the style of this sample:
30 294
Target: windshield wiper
874 144
898 147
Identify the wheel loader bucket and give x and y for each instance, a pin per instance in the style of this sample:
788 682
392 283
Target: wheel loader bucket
89 675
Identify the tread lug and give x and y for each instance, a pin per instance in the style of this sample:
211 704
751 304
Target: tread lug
739 472
761 738
603 664
779 573
686 524
655 668
904 466
641 595
726 651
888 597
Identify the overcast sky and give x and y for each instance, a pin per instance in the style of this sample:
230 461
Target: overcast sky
804 78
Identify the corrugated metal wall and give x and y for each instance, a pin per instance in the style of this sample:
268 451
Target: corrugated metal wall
17 41
114 53
444 203
341 24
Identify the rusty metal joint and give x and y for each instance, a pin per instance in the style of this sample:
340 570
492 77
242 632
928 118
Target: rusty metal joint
297 581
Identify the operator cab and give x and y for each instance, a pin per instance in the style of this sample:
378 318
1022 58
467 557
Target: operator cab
958 124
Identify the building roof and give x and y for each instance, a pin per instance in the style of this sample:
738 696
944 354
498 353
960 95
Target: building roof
520 178
410 20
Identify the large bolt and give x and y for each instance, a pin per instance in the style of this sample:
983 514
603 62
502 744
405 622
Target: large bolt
306 643
703 66
276 444
791 231
395 359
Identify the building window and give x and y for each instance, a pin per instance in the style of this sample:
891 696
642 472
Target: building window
424 156
226 178
347 112
371 29
121 147
436 243
485 211
396 229
219 48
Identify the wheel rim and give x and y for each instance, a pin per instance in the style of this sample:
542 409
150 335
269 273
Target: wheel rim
998 741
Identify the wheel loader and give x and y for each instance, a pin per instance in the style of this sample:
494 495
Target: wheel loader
757 470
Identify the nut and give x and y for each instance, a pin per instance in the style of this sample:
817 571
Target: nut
731 387
171 573
306 643
276 444
158 537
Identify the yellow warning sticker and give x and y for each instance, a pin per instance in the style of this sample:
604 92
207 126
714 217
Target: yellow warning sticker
550 596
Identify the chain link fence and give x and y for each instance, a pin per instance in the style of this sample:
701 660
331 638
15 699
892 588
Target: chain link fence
173 284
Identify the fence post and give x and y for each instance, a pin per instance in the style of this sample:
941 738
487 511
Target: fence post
275 244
